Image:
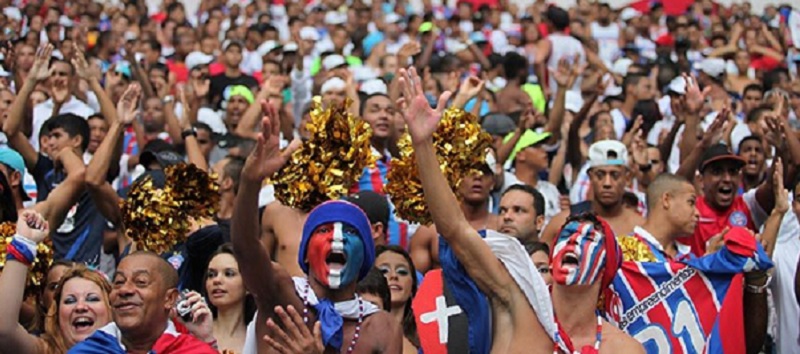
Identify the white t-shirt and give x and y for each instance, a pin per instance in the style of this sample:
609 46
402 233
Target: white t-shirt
620 122
785 257
607 38
564 46
43 111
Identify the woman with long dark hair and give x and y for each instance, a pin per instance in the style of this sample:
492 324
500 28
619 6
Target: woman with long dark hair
396 265
233 308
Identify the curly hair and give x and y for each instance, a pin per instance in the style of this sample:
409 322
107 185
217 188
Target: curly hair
53 336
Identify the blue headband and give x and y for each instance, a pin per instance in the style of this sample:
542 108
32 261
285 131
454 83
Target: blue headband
346 213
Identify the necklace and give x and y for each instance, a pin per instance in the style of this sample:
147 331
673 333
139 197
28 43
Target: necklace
565 344
357 332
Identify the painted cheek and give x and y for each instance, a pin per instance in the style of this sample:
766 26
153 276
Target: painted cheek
593 258
354 249
318 249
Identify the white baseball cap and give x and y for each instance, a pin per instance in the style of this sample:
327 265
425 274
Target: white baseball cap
629 14
713 67
677 85
621 66
573 101
335 18
333 61
309 34
333 83
197 58
608 153
267 47
392 18
374 86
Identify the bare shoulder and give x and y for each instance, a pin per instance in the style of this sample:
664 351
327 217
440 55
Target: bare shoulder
424 233
385 330
617 341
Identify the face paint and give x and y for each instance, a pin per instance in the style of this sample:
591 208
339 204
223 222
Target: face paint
579 255
335 254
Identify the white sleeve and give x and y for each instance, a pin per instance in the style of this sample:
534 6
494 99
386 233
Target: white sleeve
757 213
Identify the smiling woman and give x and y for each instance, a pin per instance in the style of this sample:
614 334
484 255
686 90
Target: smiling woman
396 265
232 306
79 306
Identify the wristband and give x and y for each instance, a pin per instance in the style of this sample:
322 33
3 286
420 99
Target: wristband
758 289
21 249
188 132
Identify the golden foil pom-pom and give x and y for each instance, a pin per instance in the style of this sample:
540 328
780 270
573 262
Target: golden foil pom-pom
635 250
329 162
37 273
461 148
158 219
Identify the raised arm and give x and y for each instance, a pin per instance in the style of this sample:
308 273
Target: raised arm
32 228
13 124
102 193
264 161
565 77
478 260
190 142
690 108
63 197
468 89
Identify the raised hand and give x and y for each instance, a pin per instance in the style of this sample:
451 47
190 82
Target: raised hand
112 77
266 158
471 87
715 242
200 87
32 226
714 131
410 49
694 98
40 70
296 339
421 119
81 65
781 193
639 150
127 106
566 73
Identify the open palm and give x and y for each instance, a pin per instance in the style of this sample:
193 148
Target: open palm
267 158
421 119
127 105
41 64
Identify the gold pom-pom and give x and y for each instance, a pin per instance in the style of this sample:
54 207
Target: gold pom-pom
329 162
37 273
634 250
158 219
195 191
461 148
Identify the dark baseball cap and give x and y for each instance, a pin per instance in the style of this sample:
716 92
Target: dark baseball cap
373 204
717 153
164 158
498 124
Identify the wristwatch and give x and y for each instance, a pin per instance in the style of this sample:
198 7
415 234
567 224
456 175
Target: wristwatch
168 99
189 132
758 289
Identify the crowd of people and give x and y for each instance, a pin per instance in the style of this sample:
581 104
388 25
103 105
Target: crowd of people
636 186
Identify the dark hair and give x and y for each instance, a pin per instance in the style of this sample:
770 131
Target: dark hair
160 67
203 126
558 17
8 209
649 111
757 112
631 79
409 323
249 301
233 169
367 98
95 116
73 125
375 283
515 65
753 87
538 199
154 45
772 77
537 246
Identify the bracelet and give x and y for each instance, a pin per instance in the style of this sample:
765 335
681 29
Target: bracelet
22 250
188 132
758 289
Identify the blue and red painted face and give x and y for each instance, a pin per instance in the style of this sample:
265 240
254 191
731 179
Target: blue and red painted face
579 255
335 254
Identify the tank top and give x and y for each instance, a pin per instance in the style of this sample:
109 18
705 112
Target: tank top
607 38
563 46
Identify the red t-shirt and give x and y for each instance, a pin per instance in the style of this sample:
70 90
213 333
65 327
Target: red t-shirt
713 221
763 62
180 71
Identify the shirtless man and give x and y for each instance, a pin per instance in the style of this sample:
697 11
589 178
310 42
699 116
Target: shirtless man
281 230
608 175
511 98
475 206
336 251
585 259
516 327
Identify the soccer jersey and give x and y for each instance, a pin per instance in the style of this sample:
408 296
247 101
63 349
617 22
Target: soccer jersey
641 246
743 212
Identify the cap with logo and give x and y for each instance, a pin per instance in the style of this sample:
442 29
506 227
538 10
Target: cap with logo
608 153
718 153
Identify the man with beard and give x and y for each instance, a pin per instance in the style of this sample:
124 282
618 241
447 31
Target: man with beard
474 191
635 88
144 292
671 215
585 259
609 174
335 252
